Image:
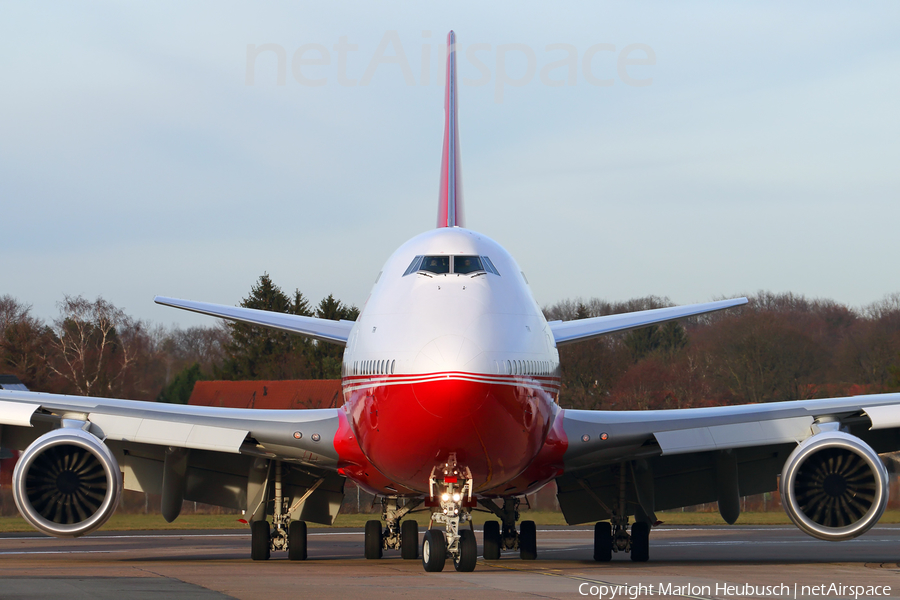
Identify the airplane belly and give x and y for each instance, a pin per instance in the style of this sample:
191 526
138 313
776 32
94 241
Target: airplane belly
406 425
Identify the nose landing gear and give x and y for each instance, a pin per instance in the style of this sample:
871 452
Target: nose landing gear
450 495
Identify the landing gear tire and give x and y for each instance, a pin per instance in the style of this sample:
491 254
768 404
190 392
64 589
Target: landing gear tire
527 540
468 552
603 542
492 540
434 551
409 540
640 542
260 539
373 539
297 540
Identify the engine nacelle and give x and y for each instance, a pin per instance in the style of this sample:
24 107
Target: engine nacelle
67 483
834 486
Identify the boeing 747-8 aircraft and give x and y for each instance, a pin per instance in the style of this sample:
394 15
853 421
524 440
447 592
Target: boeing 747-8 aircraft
451 380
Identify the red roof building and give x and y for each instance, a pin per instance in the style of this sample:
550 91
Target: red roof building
292 394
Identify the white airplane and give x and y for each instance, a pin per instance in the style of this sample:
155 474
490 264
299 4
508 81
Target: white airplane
451 379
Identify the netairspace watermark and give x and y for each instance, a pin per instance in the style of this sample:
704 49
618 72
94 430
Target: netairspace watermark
316 65
613 591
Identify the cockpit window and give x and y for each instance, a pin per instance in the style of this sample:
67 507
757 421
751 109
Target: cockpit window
414 265
461 265
467 264
436 264
489 266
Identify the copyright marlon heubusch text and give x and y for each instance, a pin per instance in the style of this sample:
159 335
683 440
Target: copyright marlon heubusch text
612 591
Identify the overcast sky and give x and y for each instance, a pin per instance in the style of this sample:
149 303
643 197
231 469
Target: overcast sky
755 148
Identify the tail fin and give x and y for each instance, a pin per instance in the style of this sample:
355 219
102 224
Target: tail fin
450 206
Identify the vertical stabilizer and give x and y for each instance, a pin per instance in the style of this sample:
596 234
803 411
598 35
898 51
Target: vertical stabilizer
450 207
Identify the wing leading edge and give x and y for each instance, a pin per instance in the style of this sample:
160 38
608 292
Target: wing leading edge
230 430
566 332
325 330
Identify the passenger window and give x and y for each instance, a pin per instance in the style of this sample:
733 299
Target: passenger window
435 264
467 264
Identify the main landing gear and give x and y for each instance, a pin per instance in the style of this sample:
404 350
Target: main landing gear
496 539
614 537
287 534
404 536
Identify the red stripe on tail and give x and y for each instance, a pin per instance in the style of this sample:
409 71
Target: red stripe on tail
450 206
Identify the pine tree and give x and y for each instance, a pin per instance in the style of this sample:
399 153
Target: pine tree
326 358
263 353
182 385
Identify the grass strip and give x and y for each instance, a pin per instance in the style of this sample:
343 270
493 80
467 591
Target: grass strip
151 522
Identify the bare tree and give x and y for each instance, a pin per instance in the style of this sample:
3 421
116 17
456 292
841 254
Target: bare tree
23 343
95 345
182 348
11 312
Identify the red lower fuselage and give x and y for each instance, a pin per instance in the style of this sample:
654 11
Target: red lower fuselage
497 425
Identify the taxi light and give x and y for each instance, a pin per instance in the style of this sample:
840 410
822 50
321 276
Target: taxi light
456 497
445 496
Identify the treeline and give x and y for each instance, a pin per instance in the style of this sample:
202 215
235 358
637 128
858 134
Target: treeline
94 349
778 347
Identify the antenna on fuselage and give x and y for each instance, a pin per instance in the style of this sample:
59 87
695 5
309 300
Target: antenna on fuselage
450 205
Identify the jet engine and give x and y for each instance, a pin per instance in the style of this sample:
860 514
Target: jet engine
834 486
67 483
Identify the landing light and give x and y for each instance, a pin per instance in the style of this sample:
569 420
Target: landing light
456 497
445 497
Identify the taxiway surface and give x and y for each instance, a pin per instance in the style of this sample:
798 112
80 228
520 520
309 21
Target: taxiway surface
216 564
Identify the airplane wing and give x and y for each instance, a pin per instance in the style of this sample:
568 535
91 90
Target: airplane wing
215 453
566 332
684 457
326 330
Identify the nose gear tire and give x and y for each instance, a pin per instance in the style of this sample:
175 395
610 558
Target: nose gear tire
434 551
468 552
